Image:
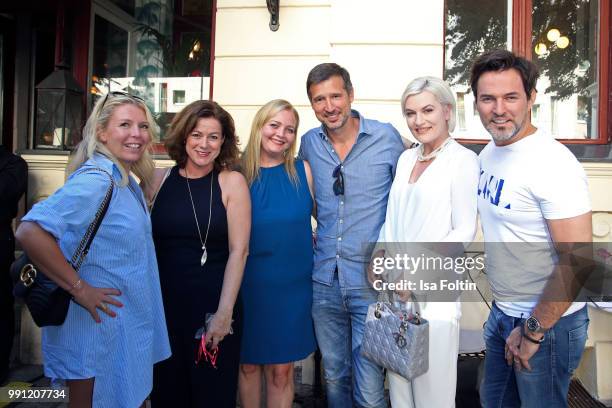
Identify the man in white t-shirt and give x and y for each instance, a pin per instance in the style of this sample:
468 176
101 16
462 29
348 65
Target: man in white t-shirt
533 201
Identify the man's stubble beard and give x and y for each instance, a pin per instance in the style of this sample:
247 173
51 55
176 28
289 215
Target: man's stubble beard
501 136
345 119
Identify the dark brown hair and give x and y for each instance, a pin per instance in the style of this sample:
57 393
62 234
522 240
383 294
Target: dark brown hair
323 72
185 121
501 60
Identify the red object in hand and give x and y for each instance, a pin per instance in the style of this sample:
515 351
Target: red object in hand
203 354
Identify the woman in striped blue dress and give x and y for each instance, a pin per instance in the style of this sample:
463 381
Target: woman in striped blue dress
115 329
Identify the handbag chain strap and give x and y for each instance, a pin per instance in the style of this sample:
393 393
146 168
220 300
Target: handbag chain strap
81 252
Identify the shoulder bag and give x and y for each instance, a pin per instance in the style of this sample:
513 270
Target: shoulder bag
47 302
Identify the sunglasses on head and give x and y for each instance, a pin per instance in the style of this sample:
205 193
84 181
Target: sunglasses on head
121 93
339 182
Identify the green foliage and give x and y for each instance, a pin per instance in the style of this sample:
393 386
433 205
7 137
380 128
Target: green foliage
568 69
158 49
475 26
472 27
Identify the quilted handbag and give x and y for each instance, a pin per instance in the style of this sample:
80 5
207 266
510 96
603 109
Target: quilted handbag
396 340
47 302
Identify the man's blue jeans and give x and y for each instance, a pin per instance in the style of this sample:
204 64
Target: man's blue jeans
339 317
547 384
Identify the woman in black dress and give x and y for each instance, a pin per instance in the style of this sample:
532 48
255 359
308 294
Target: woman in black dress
201 225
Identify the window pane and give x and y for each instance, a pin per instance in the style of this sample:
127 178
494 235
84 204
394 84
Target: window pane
110 50
167 57
565 48
49 117
179 97
125 5
472 26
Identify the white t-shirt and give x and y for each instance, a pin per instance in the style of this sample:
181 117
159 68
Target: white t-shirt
521 186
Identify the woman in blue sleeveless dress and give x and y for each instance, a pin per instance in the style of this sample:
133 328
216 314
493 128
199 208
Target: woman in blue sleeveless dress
277 285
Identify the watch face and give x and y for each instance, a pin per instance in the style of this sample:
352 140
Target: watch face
533 324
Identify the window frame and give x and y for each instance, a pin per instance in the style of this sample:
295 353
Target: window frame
521 45
112 13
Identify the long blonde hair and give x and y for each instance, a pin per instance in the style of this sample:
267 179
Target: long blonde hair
98 122
251 161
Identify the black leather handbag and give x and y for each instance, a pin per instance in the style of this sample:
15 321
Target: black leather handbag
47 302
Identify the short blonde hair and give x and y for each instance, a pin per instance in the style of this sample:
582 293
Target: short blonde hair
438 88
251 161
98 122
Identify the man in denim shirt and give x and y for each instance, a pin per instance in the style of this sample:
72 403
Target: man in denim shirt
353 163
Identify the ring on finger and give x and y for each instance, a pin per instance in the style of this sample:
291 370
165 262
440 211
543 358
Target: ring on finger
103 307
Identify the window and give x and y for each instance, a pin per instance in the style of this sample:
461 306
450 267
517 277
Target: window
178 97
163 97
156 49
568 40
461 110
535 114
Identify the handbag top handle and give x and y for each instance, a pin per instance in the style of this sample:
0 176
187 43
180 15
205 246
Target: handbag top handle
386 296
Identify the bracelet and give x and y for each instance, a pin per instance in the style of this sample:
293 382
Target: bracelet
531 339
76 285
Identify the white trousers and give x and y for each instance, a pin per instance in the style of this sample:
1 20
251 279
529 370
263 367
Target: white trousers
436 388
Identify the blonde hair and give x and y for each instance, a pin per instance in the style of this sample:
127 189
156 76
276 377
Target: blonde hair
251 161
438 88
96 123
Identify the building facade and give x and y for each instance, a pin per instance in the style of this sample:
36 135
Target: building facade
243 53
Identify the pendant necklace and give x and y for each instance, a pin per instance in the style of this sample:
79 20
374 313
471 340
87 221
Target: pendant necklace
421 156
204 252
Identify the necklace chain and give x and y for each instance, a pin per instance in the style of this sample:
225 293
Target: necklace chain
195 215
431 155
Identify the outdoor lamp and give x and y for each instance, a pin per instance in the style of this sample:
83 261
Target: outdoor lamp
540 49
553 35
59 107
562 42
274 9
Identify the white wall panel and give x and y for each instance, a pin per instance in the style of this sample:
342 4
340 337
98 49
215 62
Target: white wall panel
254 81
302 31
382 72
387 22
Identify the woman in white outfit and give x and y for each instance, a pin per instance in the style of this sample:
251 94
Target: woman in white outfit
433 199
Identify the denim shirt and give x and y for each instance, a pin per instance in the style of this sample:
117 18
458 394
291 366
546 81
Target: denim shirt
347 224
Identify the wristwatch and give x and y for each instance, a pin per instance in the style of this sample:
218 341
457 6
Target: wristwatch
531 339
533 325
